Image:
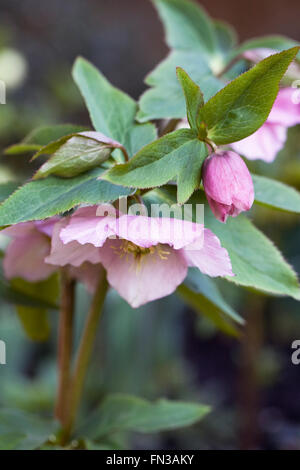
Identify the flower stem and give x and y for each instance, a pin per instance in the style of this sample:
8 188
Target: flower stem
83 357
65 337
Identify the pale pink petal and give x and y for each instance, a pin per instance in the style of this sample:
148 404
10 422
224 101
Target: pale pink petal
220 211
256 55
71 253
226 178
25 258
149 231
151 279
90 225
20 230
46 226
286 109
264 144
209 256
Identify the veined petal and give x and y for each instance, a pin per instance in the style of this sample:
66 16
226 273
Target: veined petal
25 257
144 280
264 144
209 256
286 109
149 231
71 253
90 225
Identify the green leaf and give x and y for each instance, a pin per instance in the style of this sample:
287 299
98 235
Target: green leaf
204 307
128 413
277 195
78 155
199 45
12 294
22 431
187 25
164 100
35 320
276 42
41 199
178 154
6 189
35 323
193 97
244 104
202 293
112 112
42 136
226 36
256 262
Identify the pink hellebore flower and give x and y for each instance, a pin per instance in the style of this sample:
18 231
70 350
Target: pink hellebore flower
228 184
145 258
26 255
265 143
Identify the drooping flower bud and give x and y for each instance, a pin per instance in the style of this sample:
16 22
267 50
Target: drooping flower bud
228 184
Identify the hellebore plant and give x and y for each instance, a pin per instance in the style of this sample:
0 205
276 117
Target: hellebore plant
69 219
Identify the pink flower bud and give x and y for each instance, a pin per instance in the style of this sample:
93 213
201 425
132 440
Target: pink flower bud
228 184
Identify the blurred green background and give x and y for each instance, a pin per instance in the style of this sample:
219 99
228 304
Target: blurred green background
163 349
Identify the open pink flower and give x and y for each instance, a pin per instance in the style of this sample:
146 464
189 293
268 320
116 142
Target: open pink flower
270 138
145 258
228 184
27 254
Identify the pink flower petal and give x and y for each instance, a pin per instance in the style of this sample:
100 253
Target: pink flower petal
264 144
286 109
226 180
139 283
209 256
72 253
46 226
90 225
149 231
25 257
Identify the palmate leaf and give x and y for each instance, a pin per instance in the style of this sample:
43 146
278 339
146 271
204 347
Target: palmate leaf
240 108
199 45
178 154
164 100
187 25
120 412
45 198
256 262
112 112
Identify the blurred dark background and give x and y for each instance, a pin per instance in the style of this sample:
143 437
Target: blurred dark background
163 349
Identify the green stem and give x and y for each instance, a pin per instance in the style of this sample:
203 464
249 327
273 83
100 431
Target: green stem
65 338
83 357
